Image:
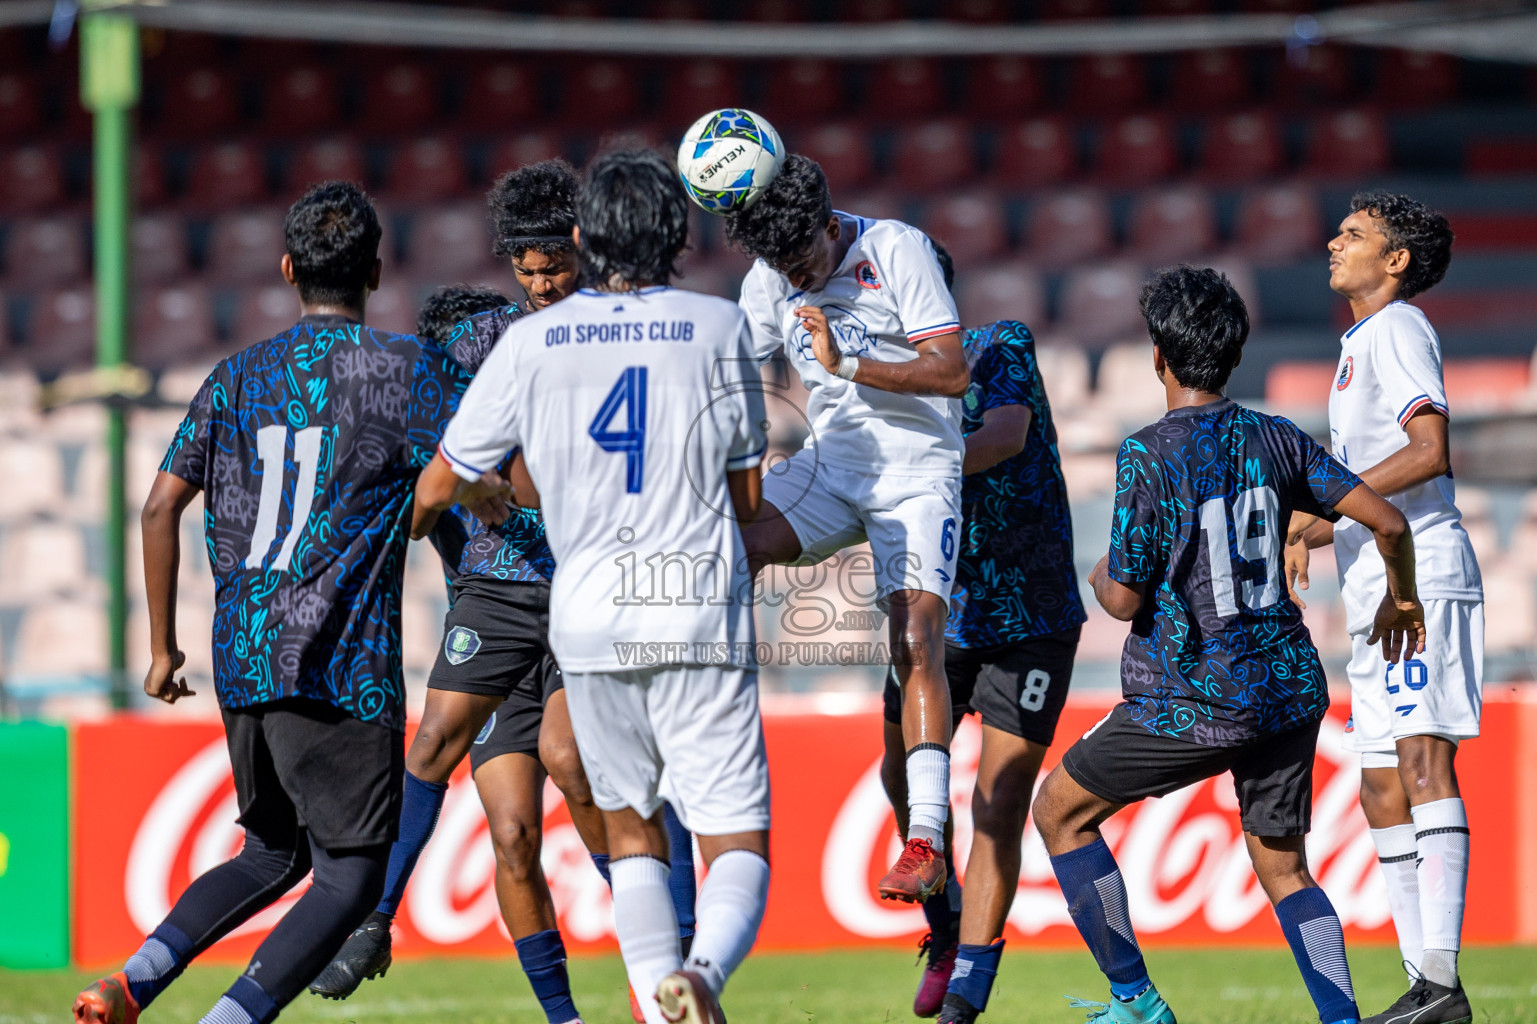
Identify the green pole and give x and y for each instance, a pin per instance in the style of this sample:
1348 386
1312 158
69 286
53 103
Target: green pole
109 88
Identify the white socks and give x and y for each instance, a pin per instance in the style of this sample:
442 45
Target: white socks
1441 836
928 793
1398 855
647 927
728 913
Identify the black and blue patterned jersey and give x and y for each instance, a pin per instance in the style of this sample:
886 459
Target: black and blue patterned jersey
516 551
1014 578
1218 654
307 447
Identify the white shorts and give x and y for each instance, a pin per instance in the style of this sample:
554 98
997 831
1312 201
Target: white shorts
1437 693
913 523
689 735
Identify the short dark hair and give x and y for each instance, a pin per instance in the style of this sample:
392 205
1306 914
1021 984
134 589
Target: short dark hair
534 207
1410 224
633 213
452 304
787 218
946 263
1198 321
332 236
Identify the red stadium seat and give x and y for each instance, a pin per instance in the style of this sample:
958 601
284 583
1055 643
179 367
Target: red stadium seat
935 155
1242 147
20 105
978 11
149 178
998 87
973 226
62 332
1210 80
244 247
226 175
33 178
842 150
201 102
1279 224
43 253
1314 75
1172 225
1348 144
326 160
803 91
1415 78
426 170
907 87
173 325
1074 10
158 248
1107 83
871 11
1068 227
501 95
265 312
1001 291
677 10
1043 151
399 98
450 244
183 49
773 11
877 205
601 92
702 85
393 308
520 151
1100 303
301 100
1137 150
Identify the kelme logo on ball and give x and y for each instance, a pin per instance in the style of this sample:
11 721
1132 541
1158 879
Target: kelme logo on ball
460 645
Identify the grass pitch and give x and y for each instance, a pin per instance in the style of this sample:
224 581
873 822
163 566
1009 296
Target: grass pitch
864 987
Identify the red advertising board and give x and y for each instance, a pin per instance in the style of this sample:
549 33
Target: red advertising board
154 807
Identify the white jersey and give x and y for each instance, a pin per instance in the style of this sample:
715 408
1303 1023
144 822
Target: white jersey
630 408
887 295
1390 368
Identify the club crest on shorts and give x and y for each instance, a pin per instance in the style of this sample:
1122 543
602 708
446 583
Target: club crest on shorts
1346 372
485 730
460 645
866 276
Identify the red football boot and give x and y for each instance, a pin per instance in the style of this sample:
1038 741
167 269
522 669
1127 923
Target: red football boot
936 975
684 998
107 1001
918 874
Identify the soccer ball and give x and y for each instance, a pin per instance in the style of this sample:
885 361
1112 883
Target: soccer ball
727 158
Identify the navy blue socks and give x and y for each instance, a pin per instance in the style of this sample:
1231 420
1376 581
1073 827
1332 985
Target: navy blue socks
680 874
418 817
543 958
943 909
975 969
1096 897
600 861
1312 928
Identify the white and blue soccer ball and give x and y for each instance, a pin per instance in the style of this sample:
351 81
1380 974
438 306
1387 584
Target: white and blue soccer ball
728 158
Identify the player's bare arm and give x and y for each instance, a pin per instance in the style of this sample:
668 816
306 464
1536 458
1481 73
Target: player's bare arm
940 368
160 525
1121 600
523 490
1400 620
1001 436
1425 457
746 489
440 488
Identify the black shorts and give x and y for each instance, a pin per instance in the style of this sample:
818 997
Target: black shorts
304 764
1019 688
513 727
495 637
1120 761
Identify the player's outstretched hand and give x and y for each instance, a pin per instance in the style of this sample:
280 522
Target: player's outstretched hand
1296 560
161 682
488 498
1400 625
822 346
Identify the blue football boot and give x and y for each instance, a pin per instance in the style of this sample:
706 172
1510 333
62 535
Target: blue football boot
1146 1008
